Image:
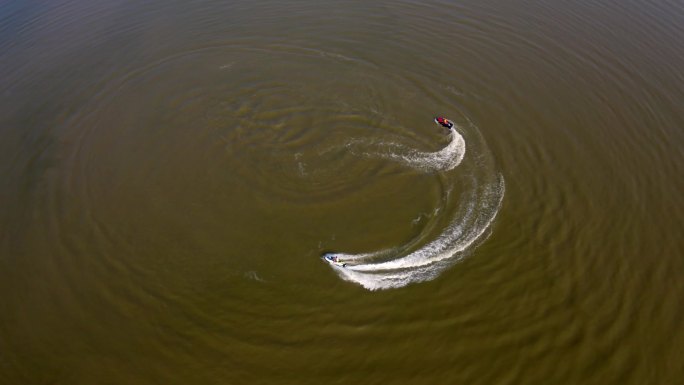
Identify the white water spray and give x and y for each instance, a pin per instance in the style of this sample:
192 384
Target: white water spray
471 222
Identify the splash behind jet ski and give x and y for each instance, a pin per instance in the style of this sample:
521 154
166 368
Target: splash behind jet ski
444 122
333 259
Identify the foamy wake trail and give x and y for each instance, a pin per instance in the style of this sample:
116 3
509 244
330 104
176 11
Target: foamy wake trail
471 222
446 159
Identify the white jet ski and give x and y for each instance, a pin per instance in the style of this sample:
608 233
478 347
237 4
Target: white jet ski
333 259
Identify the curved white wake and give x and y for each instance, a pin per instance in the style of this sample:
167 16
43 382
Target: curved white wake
476 211
446 159
443 160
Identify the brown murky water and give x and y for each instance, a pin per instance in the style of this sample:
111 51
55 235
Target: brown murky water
171 173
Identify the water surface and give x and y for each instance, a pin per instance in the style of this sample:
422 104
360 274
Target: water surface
172 171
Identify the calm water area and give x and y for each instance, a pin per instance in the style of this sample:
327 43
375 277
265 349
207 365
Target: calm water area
171 173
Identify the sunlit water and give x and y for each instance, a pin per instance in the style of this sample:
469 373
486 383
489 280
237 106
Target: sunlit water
172 172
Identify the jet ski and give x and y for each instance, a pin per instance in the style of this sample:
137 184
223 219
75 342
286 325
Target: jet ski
333 259
444 122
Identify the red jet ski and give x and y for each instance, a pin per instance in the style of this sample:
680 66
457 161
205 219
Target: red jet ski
444 122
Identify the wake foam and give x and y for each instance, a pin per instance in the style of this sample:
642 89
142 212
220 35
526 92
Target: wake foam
476 211
446 159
